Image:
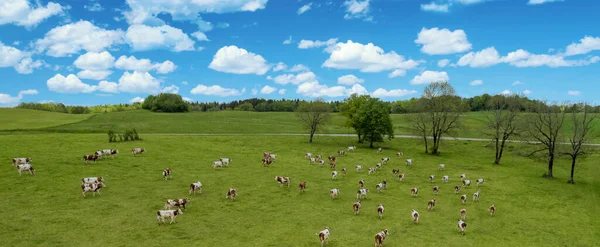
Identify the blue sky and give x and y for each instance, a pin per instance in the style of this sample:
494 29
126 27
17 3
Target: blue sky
96 52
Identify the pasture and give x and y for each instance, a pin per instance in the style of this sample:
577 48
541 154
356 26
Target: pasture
48 209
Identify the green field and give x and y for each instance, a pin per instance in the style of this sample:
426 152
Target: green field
47 209
22 119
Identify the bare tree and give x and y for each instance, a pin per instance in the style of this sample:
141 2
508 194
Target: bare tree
420 125
503 121
582 125
314 115
544 127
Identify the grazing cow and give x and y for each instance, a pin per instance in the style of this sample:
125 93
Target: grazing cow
401 177
445 178
25 167
384 182
266 155
273 156
231 193
179 203
308 155
99 154
333 193
216 164
378 166
358 168
361 183
441 167
380 210
110 152
379 187
380 237
436 189
414 191
430 204
462 177
93 180
362 193
463 214
344 171
409 162
399 154
197 186
324 236
431 177
322 162
18 161
332 165
385 160
463 198
319 157
312 160
302 186
95 188
166 173
88 157
467 182
480 181
266 162
351 148
462 226
456 189
415 216
492 210
378 150
341 152
283 181
334 175
396 171
356 207
161 215
371 170
137 151
476 196
225 161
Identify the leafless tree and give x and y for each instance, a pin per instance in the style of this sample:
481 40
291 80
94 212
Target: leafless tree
420 125
582 126
503 121
544 127
314 115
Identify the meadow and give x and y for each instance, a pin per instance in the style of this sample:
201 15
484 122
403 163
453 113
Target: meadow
48 209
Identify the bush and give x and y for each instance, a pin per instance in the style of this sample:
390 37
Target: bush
129 135
165 102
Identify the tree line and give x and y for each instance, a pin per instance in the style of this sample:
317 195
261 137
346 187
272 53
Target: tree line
62 108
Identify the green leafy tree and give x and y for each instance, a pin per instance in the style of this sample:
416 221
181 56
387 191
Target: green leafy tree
349 108
165 102
314 115
374 121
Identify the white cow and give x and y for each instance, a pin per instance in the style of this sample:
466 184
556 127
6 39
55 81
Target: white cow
385 160
467 182
371 171
362 193
225 161
409 162
358 168
352 148
161 215
476 196
445 178
324 236
312 160
463 176
197 186
308 155
333 193
480 181
431 178
216 164
334 175
379 150
18 161
442 167
462 226
25 167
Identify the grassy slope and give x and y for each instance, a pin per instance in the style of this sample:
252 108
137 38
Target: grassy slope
12 119
48 209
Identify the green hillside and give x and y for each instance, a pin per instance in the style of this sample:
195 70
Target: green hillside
23 119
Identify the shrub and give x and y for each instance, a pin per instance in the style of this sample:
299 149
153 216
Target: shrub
165 102
129 135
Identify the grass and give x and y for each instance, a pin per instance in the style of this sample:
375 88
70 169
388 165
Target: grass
21 119
47 209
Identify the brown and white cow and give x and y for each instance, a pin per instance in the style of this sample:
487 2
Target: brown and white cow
401 177
356 207
456 189
95 188
341 153
324 236
267 161
137 151
25 167
361 183
415 216
380 237
492 210
385 160
231 193
331 158
166 173
462 226
431 178
399 154
266 155
463 214
283 181
396 171
197 186
436 189
90 157
380 211
93 180
463 198
18 161
362 193
332 165
430 204
333 193
302 186
109 152
161 215
344 171
179 203
414 191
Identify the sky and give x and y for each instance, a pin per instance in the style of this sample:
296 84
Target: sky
81 52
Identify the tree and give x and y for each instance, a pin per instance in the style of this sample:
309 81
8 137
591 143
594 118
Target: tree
502 123
165 102
349 108
544 127
439 112
374 121
314 115
420 125
582 125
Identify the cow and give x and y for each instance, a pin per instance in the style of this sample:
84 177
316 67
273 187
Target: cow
179 203
352 148
380 237
283 181
401 177
341 152
273 156
385 160
431 204
415 216
334 175
378 166
358 168
266 162
356 207
231 193
95 188
380 210
308 155
396 171
442 167
379 187
225 161
18 161
312 160
462 226
90 157
99 154
463 198
266 154
216 164
331 158
436 189
25 167
409 162
322 162
302 186
319 157
93 180
463 214
197 186
137 151
492 210
333 193
414 191
161 215
431 177
324 236
480 181
109 152
456 189
361 183
399 154
463 176
166 173
344 171
446 178
332 165
371 170
476 196
362 193
379 150
467 182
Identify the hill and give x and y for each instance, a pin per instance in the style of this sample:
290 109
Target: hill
24 119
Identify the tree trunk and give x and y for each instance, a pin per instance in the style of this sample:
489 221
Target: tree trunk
436 144
311 136
359 140
500 152
371 145
550 165
426 146
497 151
572 181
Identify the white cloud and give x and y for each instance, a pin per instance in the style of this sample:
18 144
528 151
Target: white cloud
357 9
108 87
143 38
314 89
254 91
396 73
279 66
470 1
534 2
520 58
143 65
383 93
585 45
95 61
138 82
231 59
21 61
22 13
267 90
187 99
443 63
429 76
200 36
527 92
349 80
517 83
433 7
281 91
96 7
574 93
165 67
28 92
288 41
366 58
137 100
299 68
215 90
70 84
437 41
484 58
185 83
476 83
307 44
94 75
27 65
7 99
506 92
295 79
82 35
170 89
304 8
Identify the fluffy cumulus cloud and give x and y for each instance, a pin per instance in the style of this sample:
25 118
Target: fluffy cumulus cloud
349 80
21 61
170 89
520 58
95 61
7 99
535 2
70 84
279 66
299 68
506 92
437 41
314 89
143 38
22 13
71 38
476 83
366 58
93 7
281 91
434 7
304 8
574 93
443 63
307 44
216 90
137 100
383 93
585 45
267 90
429 76
231 59
357 9
295 79
94 74
397 73
138 82
526 92
200 36
108 87
133 64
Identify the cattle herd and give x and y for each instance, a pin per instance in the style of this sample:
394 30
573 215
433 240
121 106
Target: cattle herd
172 207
